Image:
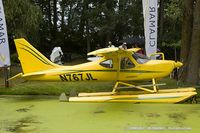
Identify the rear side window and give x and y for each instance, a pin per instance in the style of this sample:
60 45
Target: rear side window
107 63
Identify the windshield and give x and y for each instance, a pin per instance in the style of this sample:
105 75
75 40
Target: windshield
140 58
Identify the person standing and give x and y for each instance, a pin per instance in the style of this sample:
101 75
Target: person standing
123 46
110 45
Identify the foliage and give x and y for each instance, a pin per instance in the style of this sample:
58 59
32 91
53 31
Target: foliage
74 23
23 18
172 21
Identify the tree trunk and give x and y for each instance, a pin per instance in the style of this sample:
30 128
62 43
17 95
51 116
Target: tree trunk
62 16
88 36
55 16
49 13
83 19
193 62
186 35
70 17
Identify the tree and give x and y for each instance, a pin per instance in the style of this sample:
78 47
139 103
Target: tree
172 22
186 35
194 58
23 19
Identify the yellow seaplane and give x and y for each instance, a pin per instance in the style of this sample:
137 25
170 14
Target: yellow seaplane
113 64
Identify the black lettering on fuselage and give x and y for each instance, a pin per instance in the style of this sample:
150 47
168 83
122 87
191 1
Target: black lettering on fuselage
88 76
91 77
77 77
63 77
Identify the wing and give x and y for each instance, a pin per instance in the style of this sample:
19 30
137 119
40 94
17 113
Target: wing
134 49
106 51
103 51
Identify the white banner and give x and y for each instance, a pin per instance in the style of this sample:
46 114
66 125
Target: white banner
150 13
4 48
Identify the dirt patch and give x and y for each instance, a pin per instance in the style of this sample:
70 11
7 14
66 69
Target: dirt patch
26 109
99 112
24 125
177 117
153 115
130 111
23 110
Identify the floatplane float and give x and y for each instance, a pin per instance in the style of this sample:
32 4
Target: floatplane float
112 64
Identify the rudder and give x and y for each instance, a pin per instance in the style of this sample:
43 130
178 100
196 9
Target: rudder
30 58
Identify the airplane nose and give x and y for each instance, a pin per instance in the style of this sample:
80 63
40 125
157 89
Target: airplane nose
177 64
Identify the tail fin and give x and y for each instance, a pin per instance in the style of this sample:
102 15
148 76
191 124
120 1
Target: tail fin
30 58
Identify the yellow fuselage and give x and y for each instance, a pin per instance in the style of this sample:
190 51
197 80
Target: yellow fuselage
114 64
94 71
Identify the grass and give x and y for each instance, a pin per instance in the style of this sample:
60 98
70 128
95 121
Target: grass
54 88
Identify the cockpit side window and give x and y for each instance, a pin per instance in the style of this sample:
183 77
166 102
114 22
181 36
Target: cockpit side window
126 63
107 63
